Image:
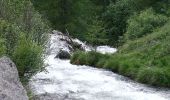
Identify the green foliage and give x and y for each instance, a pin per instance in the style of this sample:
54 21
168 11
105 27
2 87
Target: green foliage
157 76
145 59
115 19
151 53
162 7
95 35
144 23
28 57
67 14
111 64
91 58
98 21
80 17
21 15
9 33
2 47
117 14
23 35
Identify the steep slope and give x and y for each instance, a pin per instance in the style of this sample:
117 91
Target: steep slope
150 57
145 59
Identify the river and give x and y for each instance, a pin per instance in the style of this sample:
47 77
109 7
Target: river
64 81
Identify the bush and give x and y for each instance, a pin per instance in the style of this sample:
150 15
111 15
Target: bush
87 58
78 58
23 35
28 57
2 47
115 19
9 33
144 23
74 56
92 58
101 62
112 64
145 55
156 76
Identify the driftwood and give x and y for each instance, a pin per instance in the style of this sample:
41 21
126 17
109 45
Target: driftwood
72 43
67 34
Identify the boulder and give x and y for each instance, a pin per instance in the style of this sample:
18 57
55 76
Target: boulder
77 46
63 55
10 85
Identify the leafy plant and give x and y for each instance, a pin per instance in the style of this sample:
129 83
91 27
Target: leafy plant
28 57
143 24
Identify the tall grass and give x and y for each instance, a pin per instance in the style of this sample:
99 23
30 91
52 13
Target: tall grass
23 35
146 60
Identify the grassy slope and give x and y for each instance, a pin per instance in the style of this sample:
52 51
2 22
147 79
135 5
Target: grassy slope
146 60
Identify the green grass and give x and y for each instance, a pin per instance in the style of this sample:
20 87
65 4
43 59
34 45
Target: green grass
146 59
88 58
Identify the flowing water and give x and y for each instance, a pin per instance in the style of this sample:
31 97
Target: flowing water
64 81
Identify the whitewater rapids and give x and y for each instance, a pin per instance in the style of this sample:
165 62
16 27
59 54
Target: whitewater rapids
64 81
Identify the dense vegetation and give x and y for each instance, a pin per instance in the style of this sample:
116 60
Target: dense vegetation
144 53
23 35
82 18
139 28
96 21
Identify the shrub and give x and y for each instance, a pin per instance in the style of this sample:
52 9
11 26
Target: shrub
23 35
146 53
154 76
112 64
75 56
87 58
101 62
144 23
115 19
92 58
9 33
28 57
79 58
2 47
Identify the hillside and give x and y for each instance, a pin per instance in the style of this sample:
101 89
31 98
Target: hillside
146 59
140 30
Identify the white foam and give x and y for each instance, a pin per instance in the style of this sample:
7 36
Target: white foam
106 49
86 82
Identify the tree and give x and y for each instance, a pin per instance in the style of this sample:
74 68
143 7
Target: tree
115 19
144 23
95 35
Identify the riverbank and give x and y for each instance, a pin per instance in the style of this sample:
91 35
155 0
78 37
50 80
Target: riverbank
63 81
145 60
156 77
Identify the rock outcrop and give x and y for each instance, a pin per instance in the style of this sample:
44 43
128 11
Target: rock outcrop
10 85
63 55
71 43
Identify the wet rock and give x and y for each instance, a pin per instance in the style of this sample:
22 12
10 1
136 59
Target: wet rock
73 43
10 85
77 46
63 55
48 96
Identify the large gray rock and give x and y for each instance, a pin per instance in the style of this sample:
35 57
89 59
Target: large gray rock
10 85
